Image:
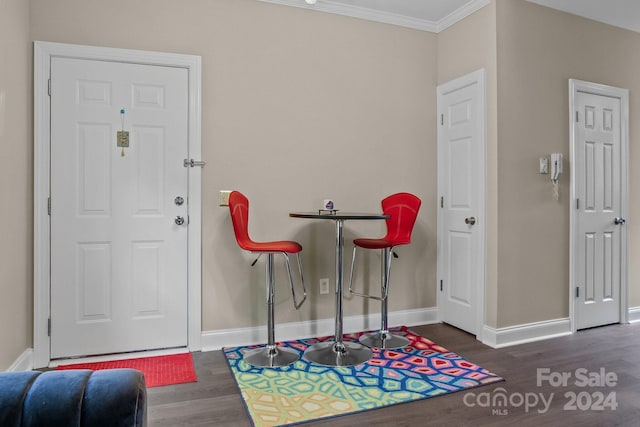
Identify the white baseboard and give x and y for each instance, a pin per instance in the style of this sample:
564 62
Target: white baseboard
633 314
520 334
24 362
215 340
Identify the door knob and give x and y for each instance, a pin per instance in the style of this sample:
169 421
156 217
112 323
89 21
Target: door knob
619 221
179 220
470 221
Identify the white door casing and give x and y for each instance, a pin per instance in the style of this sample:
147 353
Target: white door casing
461 213
599 150
118 258
47 54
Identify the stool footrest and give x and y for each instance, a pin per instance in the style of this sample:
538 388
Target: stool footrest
377 298
386 260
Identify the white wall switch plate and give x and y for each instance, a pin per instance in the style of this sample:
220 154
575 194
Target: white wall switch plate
223 197
544 165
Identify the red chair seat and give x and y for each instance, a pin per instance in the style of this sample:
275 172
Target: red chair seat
375 243
287 246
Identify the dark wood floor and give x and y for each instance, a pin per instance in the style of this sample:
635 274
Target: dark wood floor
215 401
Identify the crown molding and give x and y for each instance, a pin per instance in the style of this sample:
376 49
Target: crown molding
330 6
461 13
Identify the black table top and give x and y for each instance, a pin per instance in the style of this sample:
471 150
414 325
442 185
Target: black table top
335 215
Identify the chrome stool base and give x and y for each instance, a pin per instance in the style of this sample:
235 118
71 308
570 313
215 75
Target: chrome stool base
271 357
385 340
338 354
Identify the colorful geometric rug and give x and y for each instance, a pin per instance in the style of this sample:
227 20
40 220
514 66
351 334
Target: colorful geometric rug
157 370
306 391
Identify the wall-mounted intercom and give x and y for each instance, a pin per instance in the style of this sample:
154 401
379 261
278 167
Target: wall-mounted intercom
556 166
556 173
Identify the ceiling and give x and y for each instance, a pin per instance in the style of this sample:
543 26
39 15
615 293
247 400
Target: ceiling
436 15
619 13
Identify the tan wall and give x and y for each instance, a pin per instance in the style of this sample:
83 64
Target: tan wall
465 47
16 182
538 50
297 106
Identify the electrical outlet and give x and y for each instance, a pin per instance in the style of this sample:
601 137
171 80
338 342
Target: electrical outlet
324 286
223 198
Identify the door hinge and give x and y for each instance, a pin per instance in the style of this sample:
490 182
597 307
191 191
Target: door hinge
442 201
577 291
49 327
49 87
577 119
578 204
441 119
440 285
49 206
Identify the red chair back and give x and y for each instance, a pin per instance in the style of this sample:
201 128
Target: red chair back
403 208
239 209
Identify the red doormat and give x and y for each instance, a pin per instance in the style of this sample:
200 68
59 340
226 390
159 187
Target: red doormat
157 370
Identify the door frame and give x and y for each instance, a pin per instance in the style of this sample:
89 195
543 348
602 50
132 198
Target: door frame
475 77
43 52
576 86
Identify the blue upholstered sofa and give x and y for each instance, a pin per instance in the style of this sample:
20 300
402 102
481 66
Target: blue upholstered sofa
115 397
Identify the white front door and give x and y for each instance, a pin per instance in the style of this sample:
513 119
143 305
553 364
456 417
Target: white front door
118 255
599 177
461 187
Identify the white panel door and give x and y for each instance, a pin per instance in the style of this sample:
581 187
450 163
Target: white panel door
118 257
461 184
598 191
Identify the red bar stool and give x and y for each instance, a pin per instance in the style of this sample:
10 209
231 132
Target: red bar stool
403 209
271 355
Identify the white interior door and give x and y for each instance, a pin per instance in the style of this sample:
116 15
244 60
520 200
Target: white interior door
118 257
461 186
599 178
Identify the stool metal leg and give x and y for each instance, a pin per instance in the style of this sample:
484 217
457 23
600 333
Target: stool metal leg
383 338
271 355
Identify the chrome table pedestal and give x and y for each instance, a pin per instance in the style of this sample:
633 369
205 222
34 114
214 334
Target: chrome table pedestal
338 352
